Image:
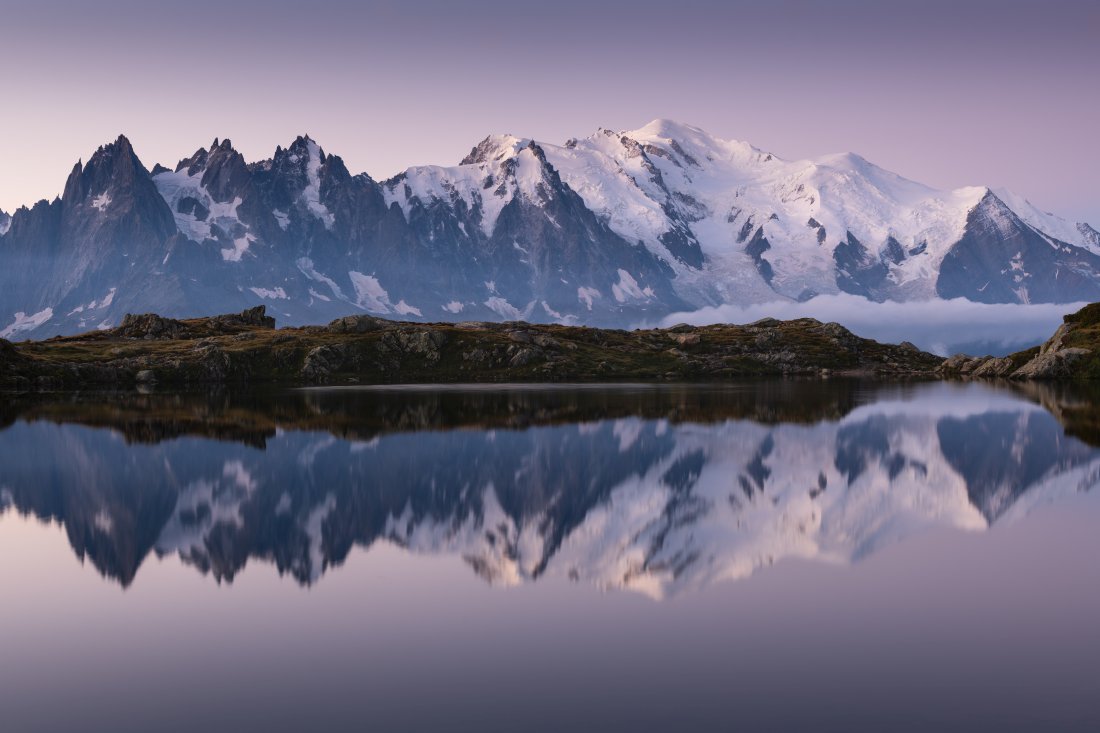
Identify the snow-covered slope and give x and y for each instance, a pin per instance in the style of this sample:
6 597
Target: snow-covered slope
730 196
612 229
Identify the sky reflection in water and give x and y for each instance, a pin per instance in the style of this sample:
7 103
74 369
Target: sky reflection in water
394 518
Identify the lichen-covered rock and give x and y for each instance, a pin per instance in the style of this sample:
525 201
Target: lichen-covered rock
425 343
150 326
324 361
522 356
1051 364
547 342
1062 356
476 356
357 324
253 317
994 367
685 339
214 364
961 365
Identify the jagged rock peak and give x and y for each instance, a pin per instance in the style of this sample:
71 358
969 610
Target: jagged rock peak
305 142
121 146
202 158
494 148
113 166
119 152
123 143
1091 235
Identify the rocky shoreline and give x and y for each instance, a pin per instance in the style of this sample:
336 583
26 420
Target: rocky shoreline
1071 353
247 348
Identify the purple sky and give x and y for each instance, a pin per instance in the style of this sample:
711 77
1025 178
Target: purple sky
950 93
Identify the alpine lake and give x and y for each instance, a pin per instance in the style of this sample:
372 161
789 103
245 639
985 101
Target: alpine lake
827 555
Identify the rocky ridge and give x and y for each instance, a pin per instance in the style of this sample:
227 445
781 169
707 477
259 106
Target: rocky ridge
246 348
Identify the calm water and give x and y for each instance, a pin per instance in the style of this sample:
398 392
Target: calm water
771 556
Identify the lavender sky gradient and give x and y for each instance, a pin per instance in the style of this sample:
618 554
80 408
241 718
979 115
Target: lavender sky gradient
947 92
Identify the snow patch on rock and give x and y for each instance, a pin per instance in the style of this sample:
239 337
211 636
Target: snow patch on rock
311 194
305 266
587 296
24 322
405 309
270 293
369 293
239 248
628 289
102 201
506 310
176 186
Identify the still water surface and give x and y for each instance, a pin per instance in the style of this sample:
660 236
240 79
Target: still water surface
766 556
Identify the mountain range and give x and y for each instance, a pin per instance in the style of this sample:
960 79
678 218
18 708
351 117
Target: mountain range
615 229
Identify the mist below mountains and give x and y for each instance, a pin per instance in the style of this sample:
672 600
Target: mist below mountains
942 327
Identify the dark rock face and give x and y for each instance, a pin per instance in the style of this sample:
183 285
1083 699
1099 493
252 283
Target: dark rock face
815 224
756 248
104 237
1000 259
893 251
858 271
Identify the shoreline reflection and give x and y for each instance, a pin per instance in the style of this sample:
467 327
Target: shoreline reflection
659 490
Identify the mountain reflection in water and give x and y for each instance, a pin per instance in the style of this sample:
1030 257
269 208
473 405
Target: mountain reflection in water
654 489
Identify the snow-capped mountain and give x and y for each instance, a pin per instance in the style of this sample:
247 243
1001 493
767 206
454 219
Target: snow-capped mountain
650 505
612 229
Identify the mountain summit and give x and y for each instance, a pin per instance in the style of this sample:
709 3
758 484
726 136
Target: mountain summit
610 230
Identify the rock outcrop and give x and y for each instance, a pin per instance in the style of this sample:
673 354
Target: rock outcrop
1069 354
151 327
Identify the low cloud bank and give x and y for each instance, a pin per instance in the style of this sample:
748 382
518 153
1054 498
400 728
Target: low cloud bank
941 326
